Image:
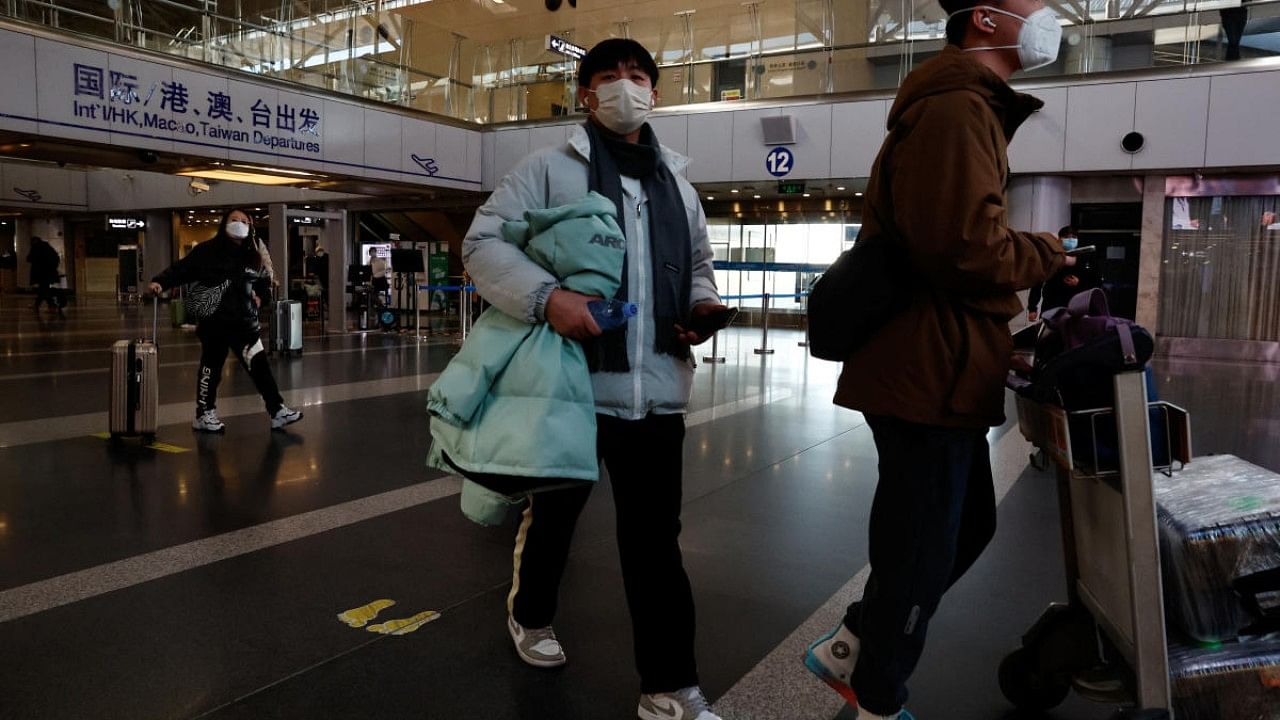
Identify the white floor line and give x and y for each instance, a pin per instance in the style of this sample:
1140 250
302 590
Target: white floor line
84 584
28 432
779 687
192 363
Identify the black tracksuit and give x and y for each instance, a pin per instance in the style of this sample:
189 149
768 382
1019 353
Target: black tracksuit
234 325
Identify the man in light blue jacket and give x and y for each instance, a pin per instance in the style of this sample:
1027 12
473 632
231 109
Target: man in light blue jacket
641 375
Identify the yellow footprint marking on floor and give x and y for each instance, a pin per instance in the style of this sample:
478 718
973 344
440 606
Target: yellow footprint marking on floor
359 617
404 626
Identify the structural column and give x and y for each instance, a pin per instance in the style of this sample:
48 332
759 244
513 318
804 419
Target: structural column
1038 204
278 223
1151 255
337 242
852 69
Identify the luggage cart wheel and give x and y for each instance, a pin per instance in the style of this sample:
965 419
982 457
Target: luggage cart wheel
1024 686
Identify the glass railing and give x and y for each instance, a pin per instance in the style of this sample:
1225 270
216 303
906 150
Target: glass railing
404 52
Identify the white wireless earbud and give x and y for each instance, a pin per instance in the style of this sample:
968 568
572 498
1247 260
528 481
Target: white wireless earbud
988 22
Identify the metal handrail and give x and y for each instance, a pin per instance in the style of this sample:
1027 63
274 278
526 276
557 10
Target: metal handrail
901 44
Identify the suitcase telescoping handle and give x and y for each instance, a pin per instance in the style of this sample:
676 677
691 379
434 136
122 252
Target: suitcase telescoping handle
155 321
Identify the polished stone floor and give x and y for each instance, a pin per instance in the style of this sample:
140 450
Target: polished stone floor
203 576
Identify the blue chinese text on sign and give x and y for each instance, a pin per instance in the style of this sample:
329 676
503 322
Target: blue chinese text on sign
780 162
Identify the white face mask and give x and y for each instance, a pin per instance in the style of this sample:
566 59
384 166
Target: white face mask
238 230
1038 40
623 105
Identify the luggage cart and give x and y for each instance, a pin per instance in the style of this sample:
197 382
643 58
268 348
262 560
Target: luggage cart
1108 640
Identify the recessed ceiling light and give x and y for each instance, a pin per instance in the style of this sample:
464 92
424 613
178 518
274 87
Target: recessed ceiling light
858 194
756 197
711 197
808 194
840 189
734 191
245 177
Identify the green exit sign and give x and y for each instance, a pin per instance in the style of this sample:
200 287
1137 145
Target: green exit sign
790 188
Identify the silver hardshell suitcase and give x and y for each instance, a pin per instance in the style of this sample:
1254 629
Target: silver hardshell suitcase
134 395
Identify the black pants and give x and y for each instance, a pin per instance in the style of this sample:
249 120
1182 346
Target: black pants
934 513
645 460
45 293
1234 21
215 342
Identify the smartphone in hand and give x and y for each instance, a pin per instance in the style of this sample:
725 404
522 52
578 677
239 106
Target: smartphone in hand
706 325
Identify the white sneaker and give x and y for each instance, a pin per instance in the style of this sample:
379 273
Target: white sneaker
536 646
686 704
208 421
285 416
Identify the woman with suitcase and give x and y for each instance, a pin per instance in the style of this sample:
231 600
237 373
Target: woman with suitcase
226 279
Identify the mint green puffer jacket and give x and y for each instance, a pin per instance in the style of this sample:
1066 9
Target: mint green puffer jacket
516 399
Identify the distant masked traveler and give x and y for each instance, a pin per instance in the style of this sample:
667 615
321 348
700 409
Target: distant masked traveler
225 280
1058 290
44 261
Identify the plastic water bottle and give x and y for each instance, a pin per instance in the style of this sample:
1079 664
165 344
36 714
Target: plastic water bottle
611 314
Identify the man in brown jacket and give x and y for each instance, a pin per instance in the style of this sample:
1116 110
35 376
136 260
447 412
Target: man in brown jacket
931 381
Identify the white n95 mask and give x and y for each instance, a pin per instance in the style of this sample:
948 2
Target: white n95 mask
238 230
1038 40
623 105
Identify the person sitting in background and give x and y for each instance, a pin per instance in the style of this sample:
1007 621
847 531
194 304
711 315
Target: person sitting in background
1058 290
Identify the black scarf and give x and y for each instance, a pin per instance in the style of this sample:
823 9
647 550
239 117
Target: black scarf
670 245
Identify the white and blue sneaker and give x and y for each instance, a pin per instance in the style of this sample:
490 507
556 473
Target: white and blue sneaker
832 658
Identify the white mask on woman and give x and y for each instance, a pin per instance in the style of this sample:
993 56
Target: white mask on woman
623 105
238 230
1038 40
